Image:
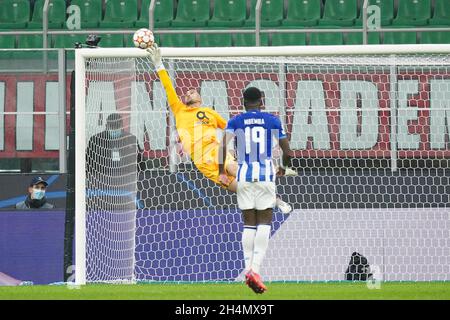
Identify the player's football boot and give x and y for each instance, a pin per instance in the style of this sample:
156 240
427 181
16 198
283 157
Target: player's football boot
284 207
252 285
253 280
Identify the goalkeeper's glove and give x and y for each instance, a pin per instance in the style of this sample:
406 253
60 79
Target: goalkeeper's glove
155 56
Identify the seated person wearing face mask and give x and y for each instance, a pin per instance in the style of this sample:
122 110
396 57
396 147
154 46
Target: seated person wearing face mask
36 196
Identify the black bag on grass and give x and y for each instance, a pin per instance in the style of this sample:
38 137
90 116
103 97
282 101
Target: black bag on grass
358 269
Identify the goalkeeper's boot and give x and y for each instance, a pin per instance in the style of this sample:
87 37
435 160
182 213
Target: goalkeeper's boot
283 206
253 280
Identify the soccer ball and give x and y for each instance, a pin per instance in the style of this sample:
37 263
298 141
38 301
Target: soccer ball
143 38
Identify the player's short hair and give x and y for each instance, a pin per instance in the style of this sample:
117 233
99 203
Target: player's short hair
252 97
114 121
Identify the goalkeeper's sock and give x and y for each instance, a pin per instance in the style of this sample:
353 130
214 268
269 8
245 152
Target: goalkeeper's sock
261 244
248 240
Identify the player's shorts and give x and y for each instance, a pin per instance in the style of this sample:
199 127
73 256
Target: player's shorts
256 195
211 170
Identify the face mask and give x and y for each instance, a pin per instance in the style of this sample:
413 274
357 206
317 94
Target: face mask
115 133
38 194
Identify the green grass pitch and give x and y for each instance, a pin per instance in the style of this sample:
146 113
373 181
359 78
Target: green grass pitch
235 291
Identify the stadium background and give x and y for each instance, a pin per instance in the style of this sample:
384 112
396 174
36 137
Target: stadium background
38 151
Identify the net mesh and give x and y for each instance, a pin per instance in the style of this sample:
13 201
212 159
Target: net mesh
370 136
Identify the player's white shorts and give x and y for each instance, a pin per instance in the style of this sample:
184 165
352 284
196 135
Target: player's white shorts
256 195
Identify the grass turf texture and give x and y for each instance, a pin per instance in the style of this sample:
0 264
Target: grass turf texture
235 291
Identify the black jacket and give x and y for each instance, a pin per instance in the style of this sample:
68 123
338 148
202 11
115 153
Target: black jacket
111 170
112 156
34 204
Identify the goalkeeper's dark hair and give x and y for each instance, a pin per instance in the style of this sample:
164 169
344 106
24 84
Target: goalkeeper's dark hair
252 98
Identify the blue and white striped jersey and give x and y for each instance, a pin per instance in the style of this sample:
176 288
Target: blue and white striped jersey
255 132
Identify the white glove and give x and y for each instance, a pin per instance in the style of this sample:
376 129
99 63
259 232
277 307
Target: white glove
288 172
155 56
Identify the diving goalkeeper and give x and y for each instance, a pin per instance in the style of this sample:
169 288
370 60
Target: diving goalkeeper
196 126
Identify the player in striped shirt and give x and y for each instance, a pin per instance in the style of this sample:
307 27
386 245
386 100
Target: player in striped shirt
196 127
255 132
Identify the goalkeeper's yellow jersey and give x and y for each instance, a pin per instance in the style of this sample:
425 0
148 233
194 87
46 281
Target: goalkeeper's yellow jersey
196 126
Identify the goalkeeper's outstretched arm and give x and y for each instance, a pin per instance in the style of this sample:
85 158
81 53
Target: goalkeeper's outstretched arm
173 100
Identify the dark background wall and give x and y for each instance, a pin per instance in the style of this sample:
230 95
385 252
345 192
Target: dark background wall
32 246
325 188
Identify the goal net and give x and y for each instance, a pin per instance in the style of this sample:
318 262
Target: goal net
370 134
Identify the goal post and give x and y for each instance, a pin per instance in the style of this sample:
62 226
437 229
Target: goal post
370 129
